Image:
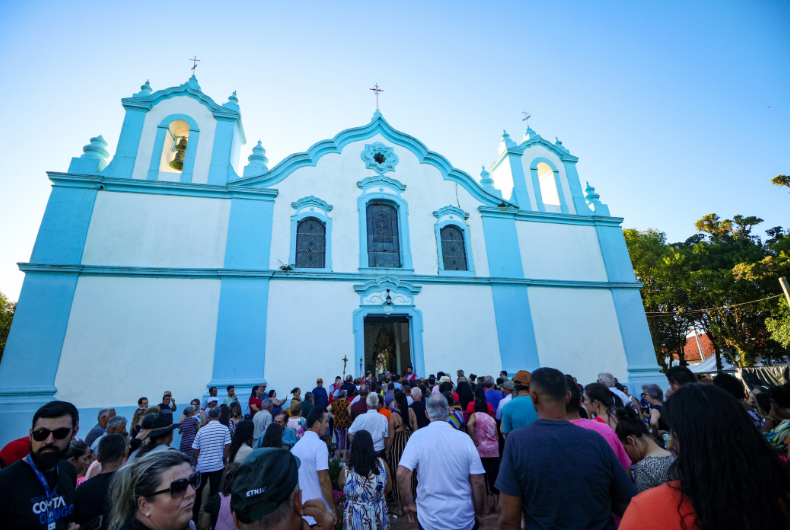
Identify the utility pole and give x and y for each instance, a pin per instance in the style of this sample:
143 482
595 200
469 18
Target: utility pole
785 288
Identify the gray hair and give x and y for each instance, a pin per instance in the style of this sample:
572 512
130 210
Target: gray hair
489 380
189 410
437 408
372 400
654 391
137 479
214 413
103 413
266 403
116 421
606 379
416 393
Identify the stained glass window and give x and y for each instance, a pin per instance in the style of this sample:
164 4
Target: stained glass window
453 250
310 244
383 236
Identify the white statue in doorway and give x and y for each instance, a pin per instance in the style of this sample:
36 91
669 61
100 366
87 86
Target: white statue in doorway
382 361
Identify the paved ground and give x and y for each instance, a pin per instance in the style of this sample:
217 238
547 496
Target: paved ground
401 523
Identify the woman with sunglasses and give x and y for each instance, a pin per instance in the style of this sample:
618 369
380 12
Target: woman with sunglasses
156 491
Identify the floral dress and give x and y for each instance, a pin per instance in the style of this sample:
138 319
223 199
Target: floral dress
366 506
297 425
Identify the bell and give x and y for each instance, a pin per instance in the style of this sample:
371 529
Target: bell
178 162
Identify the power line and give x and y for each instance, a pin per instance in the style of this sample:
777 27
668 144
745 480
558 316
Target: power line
653 314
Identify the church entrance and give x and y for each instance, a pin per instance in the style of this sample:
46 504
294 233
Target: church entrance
388 341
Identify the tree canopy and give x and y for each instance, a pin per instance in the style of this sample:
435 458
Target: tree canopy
716 281
7 309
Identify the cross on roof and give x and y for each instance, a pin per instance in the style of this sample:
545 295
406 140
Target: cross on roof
527 116
376 89
195 61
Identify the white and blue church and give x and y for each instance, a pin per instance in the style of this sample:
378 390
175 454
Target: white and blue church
170 267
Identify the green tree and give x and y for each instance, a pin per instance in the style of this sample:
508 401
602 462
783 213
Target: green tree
704 282
655 264
7 309
781 180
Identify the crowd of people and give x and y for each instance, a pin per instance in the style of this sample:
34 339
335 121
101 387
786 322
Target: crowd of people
538 449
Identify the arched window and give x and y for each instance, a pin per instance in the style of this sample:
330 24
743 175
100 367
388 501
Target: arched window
453 249
548 188
383 236
310 244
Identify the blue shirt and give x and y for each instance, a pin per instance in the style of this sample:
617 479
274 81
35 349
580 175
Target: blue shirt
518 412
494 396
536 465
320 397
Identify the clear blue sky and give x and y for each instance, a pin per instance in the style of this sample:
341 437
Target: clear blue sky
665 103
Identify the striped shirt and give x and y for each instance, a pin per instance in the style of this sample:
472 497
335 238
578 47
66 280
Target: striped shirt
211 441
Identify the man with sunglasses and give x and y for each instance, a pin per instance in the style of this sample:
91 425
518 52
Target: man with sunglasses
37 492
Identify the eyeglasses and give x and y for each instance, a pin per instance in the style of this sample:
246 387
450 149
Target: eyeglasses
179 487
42 434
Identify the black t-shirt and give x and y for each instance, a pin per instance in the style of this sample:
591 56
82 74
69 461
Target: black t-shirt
90 501
419 410
23 502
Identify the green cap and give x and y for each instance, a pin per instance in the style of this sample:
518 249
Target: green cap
265 480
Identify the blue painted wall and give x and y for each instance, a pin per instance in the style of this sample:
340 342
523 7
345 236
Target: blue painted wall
61 237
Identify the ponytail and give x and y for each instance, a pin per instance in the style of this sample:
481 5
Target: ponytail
602 394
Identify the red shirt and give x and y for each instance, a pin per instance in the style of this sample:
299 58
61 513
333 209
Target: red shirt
255 400
15 450
470 408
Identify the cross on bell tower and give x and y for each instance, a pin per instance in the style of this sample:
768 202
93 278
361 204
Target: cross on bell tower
195 60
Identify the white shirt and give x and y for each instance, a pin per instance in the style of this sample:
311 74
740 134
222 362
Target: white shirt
211 440
444 459
314 457
619 393
356 398
373 422
502 402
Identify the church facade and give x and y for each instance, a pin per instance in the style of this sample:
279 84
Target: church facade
174 268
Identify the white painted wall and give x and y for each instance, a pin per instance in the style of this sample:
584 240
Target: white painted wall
536 151
133 337
335 179
560 252
140 230
459 329
503 178
577 332
300 349
177 105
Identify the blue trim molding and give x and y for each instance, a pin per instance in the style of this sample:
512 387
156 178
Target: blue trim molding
504 256
452 215
312 207
32 352
159 143
249 234
160 187
384 189
122 164
390 159
639 351
372 301
378 125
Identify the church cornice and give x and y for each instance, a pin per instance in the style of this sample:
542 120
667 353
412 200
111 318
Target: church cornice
377 125
145 100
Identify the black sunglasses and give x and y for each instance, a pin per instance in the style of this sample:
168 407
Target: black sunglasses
179 487
42 434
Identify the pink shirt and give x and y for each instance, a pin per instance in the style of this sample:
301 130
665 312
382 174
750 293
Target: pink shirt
609 435
485 431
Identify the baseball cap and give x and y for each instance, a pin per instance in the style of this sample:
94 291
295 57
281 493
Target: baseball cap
522 378
265 480
445 379
508 384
